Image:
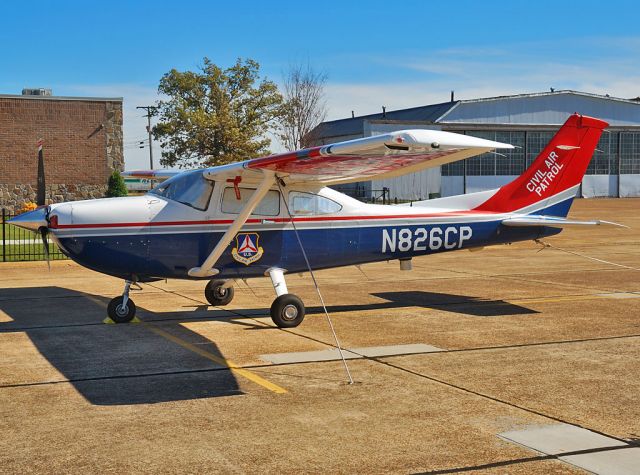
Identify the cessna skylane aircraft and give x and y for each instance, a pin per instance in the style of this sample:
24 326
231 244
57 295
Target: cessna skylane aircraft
275 215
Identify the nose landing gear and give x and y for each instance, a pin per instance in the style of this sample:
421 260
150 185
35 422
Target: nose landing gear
122 309
219 292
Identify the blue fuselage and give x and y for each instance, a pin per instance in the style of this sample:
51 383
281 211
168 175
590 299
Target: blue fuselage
150 255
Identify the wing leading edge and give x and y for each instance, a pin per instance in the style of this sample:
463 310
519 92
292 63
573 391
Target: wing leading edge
380 156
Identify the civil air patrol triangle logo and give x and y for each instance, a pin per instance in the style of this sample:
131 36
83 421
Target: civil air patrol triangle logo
247 250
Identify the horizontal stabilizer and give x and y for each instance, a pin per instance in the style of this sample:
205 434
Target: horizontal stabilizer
553 221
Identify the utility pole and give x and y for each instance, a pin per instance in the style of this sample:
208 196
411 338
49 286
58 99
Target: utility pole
151 111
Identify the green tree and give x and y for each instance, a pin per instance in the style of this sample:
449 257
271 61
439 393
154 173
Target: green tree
215 116
116 186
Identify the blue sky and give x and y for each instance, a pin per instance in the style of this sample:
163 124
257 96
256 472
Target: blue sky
397 54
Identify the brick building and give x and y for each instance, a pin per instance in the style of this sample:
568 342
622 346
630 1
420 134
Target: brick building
82 145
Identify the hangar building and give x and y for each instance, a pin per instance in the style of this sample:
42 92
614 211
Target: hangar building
82 145
527 121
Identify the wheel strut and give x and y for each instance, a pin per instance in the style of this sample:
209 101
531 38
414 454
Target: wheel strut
122 309
125 293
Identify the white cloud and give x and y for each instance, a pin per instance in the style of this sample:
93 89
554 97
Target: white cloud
476 73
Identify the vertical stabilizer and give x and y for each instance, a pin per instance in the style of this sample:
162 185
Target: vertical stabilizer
559 167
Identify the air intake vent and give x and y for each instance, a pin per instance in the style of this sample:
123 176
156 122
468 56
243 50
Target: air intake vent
36 92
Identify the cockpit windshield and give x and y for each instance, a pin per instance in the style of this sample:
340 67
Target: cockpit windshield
189 188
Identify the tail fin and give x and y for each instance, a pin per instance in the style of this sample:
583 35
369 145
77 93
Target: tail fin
559 168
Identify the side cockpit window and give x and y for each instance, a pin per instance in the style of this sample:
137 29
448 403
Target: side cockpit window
233 203
189 188
309 204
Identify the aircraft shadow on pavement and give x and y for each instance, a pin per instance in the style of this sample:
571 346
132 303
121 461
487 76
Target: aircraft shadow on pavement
461 304
112 364
464 304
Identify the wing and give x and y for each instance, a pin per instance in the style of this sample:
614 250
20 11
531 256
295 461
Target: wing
157 175
380 156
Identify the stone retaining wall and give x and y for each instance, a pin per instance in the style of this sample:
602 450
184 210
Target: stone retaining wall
14 197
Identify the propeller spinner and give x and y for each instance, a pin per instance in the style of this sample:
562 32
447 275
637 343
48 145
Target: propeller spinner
38 222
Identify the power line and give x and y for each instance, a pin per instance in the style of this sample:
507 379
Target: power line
134 141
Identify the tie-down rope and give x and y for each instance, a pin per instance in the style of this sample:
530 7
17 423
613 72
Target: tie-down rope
315 283
545 244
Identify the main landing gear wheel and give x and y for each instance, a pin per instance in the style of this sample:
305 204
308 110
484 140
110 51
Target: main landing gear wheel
217 294
287 311
120 313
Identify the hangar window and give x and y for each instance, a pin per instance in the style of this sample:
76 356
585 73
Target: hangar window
536 142
189 188
453 168
504 162
630 152
269 206
605 157
308 204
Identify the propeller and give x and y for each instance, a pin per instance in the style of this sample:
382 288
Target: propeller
43 231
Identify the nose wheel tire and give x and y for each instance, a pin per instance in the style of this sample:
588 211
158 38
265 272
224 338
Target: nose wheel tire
121 313
287 311
218 295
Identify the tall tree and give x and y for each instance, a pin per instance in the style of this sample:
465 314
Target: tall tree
304 105
215 116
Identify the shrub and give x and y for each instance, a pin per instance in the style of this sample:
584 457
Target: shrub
116 186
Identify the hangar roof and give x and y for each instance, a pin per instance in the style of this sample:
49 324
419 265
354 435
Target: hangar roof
545 108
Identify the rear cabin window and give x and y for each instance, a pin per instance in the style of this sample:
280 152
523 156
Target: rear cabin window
308 204
269 206
189 188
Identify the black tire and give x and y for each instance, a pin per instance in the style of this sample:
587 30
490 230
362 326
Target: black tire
119 314
287 311
216 294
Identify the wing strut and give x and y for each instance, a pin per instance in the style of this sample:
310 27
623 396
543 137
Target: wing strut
206 269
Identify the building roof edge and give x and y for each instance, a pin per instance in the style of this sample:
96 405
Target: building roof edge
61 98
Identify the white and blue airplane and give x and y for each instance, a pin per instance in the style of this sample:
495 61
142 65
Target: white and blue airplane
275 215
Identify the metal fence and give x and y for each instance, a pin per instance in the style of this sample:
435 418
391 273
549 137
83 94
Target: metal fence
21 245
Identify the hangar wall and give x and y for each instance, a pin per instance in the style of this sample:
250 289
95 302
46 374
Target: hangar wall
529 121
